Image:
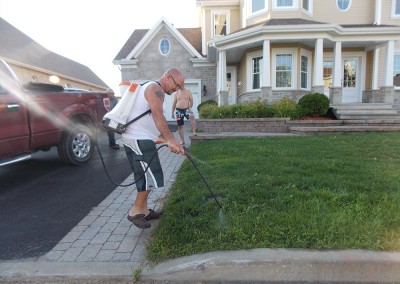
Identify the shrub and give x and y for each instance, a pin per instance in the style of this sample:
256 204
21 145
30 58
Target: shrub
208 102
256 109
287 107
315 104
206 110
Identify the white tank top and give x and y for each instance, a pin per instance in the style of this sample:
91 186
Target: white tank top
144 127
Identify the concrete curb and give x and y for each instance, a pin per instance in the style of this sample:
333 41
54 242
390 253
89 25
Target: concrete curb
279 265
67 272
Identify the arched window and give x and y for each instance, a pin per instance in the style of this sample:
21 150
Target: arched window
165 46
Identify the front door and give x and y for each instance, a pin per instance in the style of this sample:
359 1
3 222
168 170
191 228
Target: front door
351 80
231 84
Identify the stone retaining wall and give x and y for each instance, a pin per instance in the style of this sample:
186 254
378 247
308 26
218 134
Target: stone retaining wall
279 125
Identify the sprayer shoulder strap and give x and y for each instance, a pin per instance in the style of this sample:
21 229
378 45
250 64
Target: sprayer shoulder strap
146 112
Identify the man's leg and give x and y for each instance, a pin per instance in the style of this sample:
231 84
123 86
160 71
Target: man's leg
140 205
111 140
140 214
193 123
181 134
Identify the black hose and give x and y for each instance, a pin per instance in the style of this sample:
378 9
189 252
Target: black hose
105 168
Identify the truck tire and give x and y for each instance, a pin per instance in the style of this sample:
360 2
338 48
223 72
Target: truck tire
77 145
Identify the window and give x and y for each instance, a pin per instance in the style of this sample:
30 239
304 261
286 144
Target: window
307 5
256 72
257 6
396 8
220 26
396 70
343 5
304 72
285 4
283 70
165 46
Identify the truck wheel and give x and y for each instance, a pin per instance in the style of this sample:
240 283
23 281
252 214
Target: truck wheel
77 145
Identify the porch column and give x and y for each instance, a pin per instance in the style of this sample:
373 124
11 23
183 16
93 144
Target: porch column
335 93
222 88
266 90
389 58
387 90
375 69
318 82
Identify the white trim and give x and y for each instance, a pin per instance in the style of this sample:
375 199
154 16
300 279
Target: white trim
202 63
378 12
204 46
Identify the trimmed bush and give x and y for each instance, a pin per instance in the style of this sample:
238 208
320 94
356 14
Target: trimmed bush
287 107
257 109
208 102
206 110
315 104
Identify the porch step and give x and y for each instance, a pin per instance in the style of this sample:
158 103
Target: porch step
366 111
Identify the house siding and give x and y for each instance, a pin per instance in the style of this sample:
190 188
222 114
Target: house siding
386 18
152 64
360 12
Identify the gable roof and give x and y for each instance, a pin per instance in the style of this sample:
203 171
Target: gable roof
190 38
18 47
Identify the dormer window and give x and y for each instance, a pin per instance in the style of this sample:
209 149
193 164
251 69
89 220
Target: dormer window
220 23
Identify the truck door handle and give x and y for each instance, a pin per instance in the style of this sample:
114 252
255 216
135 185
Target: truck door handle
13 107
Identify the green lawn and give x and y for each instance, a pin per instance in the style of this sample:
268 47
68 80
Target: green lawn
317 192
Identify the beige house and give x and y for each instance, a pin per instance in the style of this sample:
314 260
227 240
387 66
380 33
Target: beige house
269 49
34 63
347 49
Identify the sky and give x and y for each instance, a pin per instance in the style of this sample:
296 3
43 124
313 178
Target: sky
92 32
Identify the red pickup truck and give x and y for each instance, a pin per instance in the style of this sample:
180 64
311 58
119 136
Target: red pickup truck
37 116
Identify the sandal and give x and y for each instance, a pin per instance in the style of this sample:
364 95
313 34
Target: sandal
139 221
153 215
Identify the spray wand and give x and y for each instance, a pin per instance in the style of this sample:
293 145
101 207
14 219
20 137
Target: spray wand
189 156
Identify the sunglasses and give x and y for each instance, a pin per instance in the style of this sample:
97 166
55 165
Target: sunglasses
176 84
